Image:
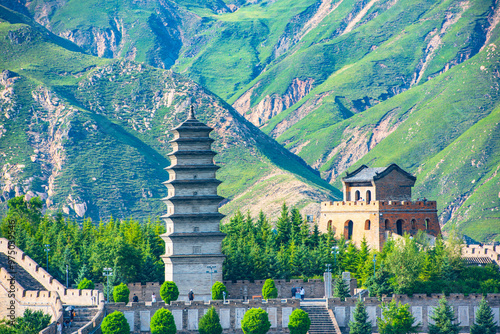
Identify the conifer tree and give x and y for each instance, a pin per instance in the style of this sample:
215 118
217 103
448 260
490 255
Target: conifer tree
361 324
396 319
296 221
350 260
341 289
484 320
284 226
444 319
314 239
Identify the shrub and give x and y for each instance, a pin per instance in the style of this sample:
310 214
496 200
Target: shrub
299 322
255 321
217 291
169 291
210 322
121 293
86 284
269 290
396 319
32 322
115 323
162 322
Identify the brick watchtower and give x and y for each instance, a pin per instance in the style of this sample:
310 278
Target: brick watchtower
377 205
193 238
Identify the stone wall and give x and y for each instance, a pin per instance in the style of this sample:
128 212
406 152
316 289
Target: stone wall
315 288
188 314
421 306
476 251
50 301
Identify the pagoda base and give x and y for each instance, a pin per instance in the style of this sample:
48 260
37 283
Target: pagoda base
190 272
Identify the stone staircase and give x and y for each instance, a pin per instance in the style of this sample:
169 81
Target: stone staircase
84 315
321 323
24 279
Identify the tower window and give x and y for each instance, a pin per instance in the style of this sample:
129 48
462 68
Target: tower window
196 249
413 224
367 224
356 195
426 223
196 229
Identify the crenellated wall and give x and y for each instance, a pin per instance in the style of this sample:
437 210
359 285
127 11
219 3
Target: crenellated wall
188 314
50 300
421 306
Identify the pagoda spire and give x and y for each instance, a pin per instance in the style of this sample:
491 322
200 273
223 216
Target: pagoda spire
191 113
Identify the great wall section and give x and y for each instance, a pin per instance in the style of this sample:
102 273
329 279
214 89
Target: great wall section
24 284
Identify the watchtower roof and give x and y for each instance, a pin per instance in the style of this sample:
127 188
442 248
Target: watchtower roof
365 174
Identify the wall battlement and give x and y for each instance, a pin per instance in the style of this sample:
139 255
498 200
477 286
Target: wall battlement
377 205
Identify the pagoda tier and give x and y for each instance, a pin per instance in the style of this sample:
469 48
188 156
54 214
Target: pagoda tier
193 237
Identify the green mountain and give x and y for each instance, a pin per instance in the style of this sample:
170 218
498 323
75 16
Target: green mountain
90 135
336 82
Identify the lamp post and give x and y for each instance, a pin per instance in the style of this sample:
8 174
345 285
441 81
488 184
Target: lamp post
107 272
47 250
328 280
374 263
211 271
67 285
335 250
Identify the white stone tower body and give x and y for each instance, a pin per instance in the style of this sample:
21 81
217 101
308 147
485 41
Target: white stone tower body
193 238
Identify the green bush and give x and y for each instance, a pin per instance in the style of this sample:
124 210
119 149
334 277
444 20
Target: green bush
121 293
269 289
169 291
115 323
299 322
217 291
210 322
32 322
86 284
162 322
255 321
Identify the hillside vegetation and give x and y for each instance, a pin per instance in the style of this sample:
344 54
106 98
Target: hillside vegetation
90 135
337 82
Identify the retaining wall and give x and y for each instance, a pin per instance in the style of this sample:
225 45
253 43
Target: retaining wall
421 306
188 314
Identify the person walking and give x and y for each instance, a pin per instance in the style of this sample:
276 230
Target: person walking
135 299
59 328
294 291
191 295
302 293
153 298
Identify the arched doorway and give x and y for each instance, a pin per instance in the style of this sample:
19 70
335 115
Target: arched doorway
386 224
413 224
368 196
348 227
357 195
426 223
399 226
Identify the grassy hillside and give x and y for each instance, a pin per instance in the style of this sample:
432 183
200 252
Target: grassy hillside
90 135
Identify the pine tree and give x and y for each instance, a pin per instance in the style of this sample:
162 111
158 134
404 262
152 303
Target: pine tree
396 319
314 239
296 224
341 289
84 272
444 319
284 226
350 261
361 324
484 320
